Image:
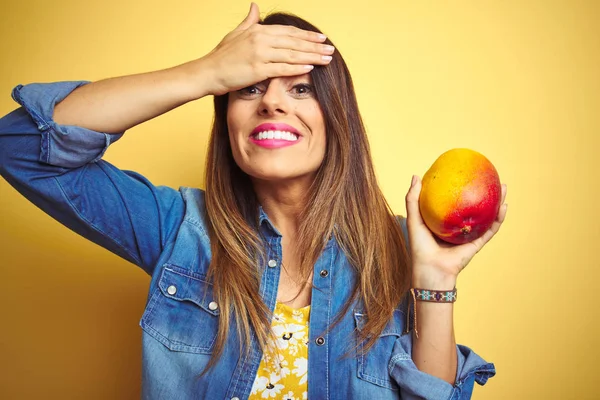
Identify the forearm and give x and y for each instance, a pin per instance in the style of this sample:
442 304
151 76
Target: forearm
116 104
434 351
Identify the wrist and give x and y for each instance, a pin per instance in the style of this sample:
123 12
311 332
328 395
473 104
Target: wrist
434 281
437 295
195 78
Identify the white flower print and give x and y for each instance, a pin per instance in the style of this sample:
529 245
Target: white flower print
272 388
293 350
267 356
279 317
300 371
260 384
281 366
283 371
290 396
266 368
298 315
289 335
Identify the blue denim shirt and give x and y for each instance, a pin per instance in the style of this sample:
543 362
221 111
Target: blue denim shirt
162 230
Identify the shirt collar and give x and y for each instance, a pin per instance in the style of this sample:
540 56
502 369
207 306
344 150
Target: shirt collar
263 218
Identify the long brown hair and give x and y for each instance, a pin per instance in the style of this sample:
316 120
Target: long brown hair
344 200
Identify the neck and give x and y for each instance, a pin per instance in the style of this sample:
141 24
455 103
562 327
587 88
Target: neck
283 202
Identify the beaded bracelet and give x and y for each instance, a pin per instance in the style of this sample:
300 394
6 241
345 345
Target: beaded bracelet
432 296
437 296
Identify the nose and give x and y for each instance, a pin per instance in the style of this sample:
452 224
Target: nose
274 100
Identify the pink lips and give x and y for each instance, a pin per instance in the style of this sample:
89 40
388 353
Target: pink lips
274 143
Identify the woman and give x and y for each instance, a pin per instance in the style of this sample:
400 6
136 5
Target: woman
289 276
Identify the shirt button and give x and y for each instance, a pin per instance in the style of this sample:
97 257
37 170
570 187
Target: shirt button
324 273
171 290
320 341
213 306
272 263
235 398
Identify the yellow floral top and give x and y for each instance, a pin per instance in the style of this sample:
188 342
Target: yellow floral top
282 373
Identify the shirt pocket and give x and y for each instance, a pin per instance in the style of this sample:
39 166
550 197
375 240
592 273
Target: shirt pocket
181 313
373 366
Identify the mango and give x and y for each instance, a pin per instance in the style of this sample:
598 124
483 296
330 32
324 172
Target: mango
460 196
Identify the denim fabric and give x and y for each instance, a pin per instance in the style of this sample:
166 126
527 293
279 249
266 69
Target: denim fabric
163 231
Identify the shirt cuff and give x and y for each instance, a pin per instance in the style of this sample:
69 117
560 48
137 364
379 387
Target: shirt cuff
471 368
416 384
65 146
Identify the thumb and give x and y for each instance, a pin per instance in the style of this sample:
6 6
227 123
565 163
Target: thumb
413 218
252 18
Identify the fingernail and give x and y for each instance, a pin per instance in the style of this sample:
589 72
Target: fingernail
322 37
309 67
326 58
414 180
329 49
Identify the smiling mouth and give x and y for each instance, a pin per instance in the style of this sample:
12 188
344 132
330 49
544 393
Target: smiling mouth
275 135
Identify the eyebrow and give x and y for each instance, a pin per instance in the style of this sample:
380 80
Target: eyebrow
307 78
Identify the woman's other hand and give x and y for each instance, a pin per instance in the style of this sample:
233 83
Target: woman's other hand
252 53
436 264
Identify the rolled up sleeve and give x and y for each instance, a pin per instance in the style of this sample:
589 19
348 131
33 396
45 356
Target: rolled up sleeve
61 145
60 169
415 384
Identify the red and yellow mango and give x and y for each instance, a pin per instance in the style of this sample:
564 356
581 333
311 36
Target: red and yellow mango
460 196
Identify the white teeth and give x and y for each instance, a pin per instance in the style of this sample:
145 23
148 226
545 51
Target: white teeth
281 135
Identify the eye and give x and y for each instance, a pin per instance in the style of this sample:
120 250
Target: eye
250 91
302 90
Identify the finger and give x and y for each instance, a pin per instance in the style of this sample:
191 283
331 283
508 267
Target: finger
252 18
413 217
282 69
489 234
289 42
285 30
297 57
504 189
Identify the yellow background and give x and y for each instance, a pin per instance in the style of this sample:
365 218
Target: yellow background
518 81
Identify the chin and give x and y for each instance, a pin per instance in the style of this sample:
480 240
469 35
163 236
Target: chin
277 169
273 177
278 175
